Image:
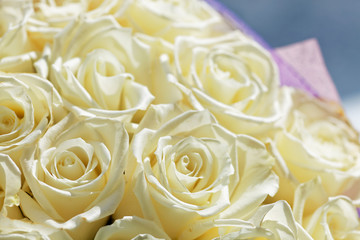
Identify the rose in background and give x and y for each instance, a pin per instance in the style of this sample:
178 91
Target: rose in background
75 176
50 17
233 77
29 105
316 140
190 172
95 66
17 50
168 19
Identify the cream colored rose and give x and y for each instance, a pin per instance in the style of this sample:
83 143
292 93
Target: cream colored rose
336 219
17 49
316 140
95 65
24 229
131 227
28 106
10 183
13 225
12 13
233 77
171 18
332 218
192 171
49 17
164 91
273 222
75 176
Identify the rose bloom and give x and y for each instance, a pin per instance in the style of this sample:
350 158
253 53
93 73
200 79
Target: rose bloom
75 176
50 17
333 218
171 18
336 219
190 172
95 66
13 224
17 50
233 77
273 222
316 140
29 105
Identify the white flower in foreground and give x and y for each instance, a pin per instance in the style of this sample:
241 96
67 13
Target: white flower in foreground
96 64
75 177
233 77
131 227
316 140
191 171
28 106
171 18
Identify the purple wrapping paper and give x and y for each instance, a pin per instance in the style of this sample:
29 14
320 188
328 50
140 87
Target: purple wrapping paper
288 75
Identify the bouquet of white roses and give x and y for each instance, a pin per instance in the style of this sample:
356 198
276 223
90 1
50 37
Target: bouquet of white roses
163 119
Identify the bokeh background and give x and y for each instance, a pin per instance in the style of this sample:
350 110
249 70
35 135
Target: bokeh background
335 24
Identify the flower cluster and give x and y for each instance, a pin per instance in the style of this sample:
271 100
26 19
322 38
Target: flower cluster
157 119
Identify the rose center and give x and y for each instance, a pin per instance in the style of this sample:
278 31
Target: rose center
103 76
187 164
229 80
8 120
70 166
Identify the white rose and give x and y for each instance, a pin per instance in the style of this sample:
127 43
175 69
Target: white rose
131 227
13 225
12 13
10 183
95 65
24 229
273 222
191 171
49 18
332 218
316 140
17 50
336 219
75 176
164 91
233 77
28 106
170 18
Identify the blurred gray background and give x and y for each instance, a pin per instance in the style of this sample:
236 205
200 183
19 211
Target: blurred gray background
335 24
